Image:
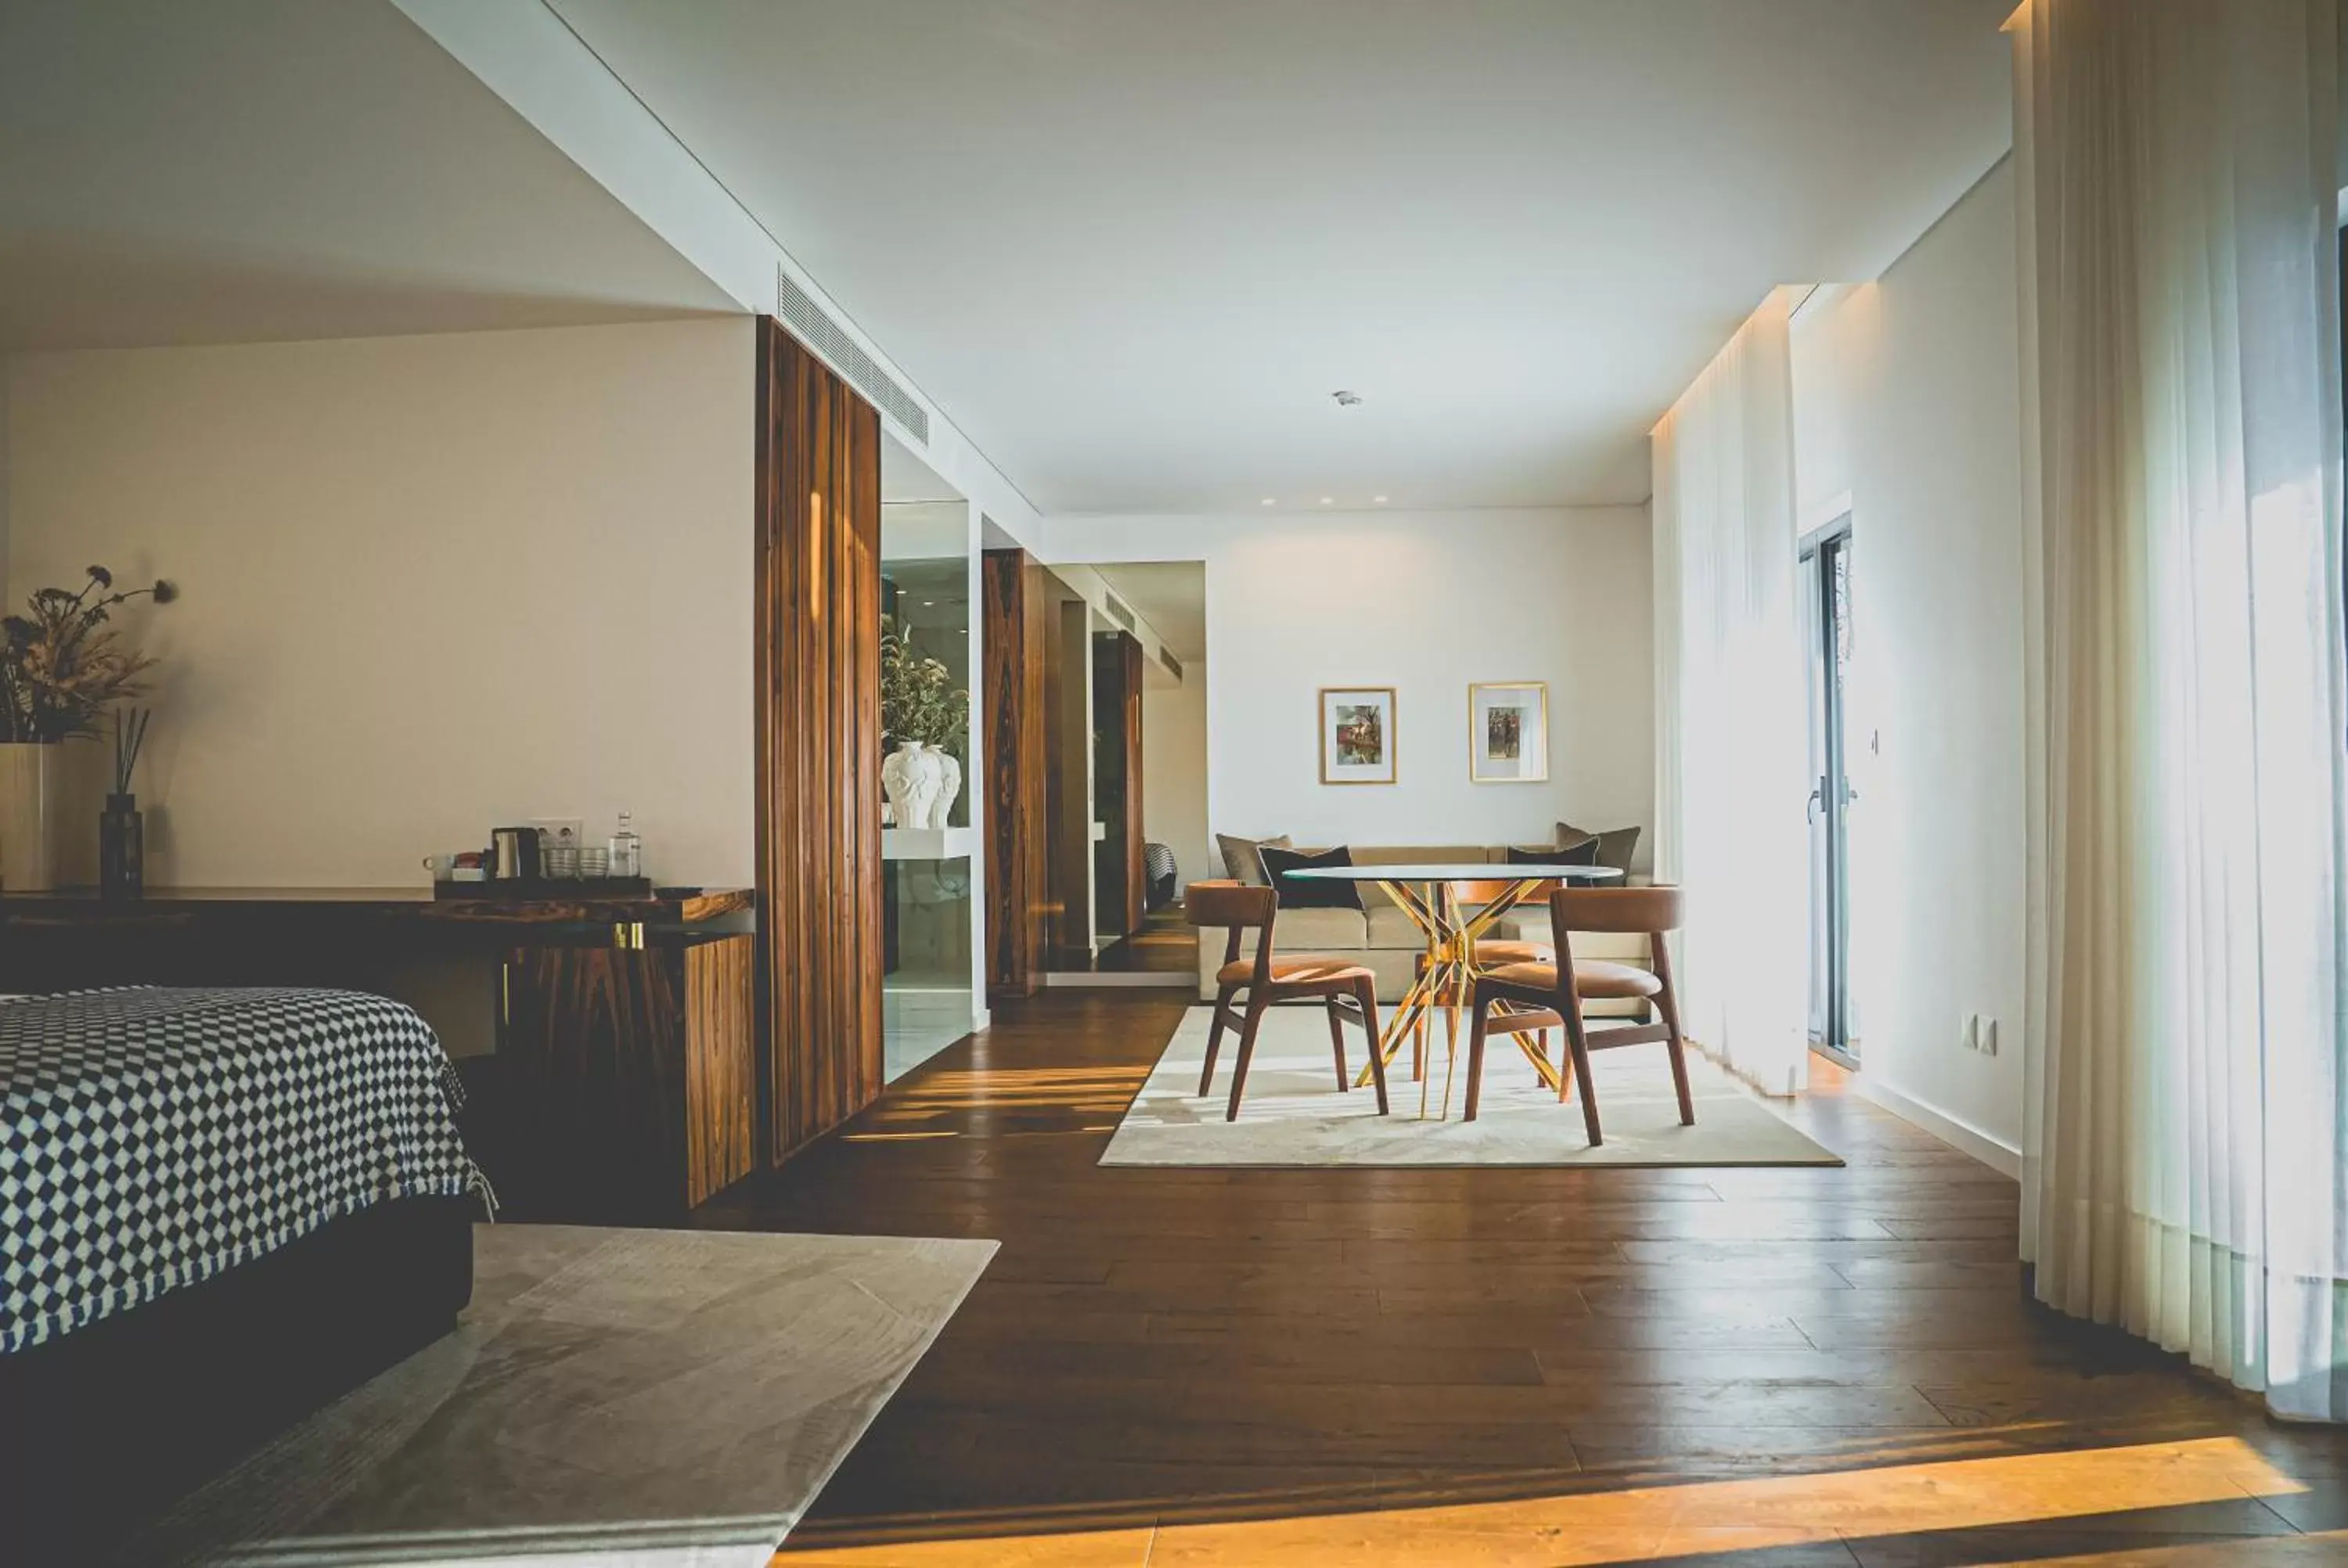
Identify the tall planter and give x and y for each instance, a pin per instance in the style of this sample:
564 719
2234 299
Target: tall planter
30 781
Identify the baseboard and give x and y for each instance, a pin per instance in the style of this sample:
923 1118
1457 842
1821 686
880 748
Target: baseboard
1955 1131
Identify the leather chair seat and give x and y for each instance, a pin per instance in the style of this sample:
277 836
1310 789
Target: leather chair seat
1302 969
1493 952
1591 978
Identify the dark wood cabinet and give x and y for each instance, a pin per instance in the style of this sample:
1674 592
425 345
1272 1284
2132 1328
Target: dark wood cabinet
623 1086
628 1074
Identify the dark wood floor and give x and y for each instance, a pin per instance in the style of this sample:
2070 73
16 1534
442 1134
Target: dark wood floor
1738 1366
1167 943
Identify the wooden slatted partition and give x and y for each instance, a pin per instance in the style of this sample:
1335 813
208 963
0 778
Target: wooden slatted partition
1017 628
1128 701
819 743
1120 884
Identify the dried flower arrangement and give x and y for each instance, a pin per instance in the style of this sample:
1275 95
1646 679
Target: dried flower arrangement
63 665
918 701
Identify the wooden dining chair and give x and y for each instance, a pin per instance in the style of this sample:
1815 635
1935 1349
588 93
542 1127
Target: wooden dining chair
1268 977
1550 996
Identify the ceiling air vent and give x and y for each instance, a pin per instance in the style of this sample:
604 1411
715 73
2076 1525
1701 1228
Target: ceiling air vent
1119 611
820 332
1166 657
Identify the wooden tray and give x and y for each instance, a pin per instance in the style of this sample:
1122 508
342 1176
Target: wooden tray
546 889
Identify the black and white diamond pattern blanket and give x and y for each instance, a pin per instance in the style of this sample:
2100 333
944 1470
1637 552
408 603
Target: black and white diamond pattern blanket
155 1137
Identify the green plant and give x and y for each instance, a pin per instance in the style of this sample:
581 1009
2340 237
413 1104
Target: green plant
918 701
62 665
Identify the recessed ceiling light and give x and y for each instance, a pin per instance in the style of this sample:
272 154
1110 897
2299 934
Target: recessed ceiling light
928 604
1268 501
1328 500
1380 501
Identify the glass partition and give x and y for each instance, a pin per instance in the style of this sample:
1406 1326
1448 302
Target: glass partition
927 912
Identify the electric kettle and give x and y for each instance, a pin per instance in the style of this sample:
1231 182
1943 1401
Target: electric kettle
513 854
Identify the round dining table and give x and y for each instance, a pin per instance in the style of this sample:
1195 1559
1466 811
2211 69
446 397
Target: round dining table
1447 978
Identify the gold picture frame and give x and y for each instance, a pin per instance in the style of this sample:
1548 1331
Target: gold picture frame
1357 735
1507 732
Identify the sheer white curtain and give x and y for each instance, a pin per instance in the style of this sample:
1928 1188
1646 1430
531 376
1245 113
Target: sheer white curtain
1732 763
2184 1165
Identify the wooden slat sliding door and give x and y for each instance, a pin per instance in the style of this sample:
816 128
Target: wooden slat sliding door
1129 698
1018 622
1120 884
819 743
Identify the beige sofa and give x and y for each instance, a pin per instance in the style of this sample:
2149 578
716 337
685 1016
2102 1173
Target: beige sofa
1385 940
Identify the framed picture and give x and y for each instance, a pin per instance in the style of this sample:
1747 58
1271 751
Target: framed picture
1357 735
1507 732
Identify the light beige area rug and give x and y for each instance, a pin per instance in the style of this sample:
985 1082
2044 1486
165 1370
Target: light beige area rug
1293 1113
636 1397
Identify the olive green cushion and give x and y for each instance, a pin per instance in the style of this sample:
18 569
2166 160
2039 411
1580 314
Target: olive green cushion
1615 845
1243 861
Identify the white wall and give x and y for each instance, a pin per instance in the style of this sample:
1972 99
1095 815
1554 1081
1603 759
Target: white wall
7 599
1425 602
1906 407
1174 770
432 585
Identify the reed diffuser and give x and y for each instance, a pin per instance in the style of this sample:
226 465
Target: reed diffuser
121 831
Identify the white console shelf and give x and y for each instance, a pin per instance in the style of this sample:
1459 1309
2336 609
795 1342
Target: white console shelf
928 843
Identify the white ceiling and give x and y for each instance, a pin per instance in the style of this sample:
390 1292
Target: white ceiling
1130 246
1172 596
227 170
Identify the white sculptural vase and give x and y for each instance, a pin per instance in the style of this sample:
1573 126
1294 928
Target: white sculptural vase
949 786
910 777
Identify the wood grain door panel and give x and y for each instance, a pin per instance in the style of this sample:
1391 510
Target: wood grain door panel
819 743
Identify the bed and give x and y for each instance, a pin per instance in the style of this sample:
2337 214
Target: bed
219 1208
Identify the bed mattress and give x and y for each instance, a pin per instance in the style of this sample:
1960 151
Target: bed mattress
152 1138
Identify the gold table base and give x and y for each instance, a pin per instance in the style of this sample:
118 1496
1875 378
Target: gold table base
1447 979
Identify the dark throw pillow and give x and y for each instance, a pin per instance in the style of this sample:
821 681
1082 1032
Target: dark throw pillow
1310 892
1582 854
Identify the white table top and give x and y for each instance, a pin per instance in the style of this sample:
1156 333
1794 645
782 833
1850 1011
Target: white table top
1471 871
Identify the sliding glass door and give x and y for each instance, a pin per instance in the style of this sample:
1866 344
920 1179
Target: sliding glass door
1826 626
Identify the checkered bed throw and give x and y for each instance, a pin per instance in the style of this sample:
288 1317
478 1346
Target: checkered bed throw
156 1137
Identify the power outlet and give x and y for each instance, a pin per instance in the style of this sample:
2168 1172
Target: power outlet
560 832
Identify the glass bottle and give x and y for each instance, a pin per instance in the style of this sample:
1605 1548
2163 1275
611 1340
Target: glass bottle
627 850
121 849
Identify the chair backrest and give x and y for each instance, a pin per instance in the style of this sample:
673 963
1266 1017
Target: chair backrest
1241 908
1232 904
1641 910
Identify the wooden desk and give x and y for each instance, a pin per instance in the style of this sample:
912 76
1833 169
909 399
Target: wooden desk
624 1080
